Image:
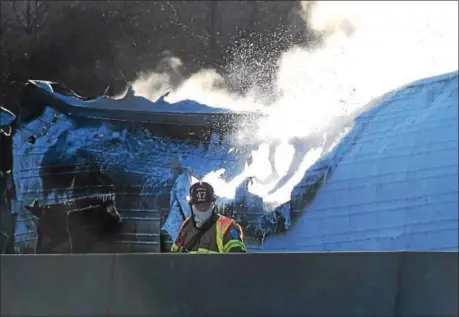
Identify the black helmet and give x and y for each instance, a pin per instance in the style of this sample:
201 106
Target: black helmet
201 192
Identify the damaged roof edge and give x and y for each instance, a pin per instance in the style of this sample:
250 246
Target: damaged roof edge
44 95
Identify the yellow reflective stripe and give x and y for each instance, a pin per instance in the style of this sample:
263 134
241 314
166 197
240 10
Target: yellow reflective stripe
241 231
226 227
201 250
175 248
219 238
222 223
233 244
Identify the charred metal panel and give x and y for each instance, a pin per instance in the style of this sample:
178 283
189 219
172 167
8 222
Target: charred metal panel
76 226
167 123
65 153
7 217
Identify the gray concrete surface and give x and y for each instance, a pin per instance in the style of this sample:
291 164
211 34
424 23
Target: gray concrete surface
288 284
428 284
55 285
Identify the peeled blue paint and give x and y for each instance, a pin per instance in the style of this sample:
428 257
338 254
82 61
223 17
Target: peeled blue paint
179 208
6 118
252 202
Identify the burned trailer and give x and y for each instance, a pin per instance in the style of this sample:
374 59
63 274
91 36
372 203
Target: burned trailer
104 175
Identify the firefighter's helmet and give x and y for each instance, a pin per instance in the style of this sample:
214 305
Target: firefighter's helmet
201 192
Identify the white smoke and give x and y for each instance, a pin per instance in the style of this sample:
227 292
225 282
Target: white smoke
369 48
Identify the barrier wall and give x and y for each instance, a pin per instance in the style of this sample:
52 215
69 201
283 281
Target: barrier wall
288 284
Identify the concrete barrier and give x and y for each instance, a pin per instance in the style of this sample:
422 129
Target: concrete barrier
428 284
55 285
289 284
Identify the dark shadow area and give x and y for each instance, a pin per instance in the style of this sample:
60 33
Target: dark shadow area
7 218
76 226
6 149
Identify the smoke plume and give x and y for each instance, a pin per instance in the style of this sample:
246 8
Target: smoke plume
368 49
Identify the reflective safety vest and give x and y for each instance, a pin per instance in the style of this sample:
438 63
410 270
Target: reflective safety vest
222 225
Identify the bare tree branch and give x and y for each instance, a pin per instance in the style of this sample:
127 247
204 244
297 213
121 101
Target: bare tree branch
30 14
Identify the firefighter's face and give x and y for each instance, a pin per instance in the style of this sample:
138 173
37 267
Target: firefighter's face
202 206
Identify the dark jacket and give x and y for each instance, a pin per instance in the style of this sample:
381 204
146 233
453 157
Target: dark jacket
219 234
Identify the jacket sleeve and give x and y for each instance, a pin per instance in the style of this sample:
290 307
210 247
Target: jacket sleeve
233 240
178 243
175 247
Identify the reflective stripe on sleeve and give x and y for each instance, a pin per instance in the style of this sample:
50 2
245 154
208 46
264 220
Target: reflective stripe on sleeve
233 244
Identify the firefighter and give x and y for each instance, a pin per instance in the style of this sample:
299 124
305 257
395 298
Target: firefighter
206 231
